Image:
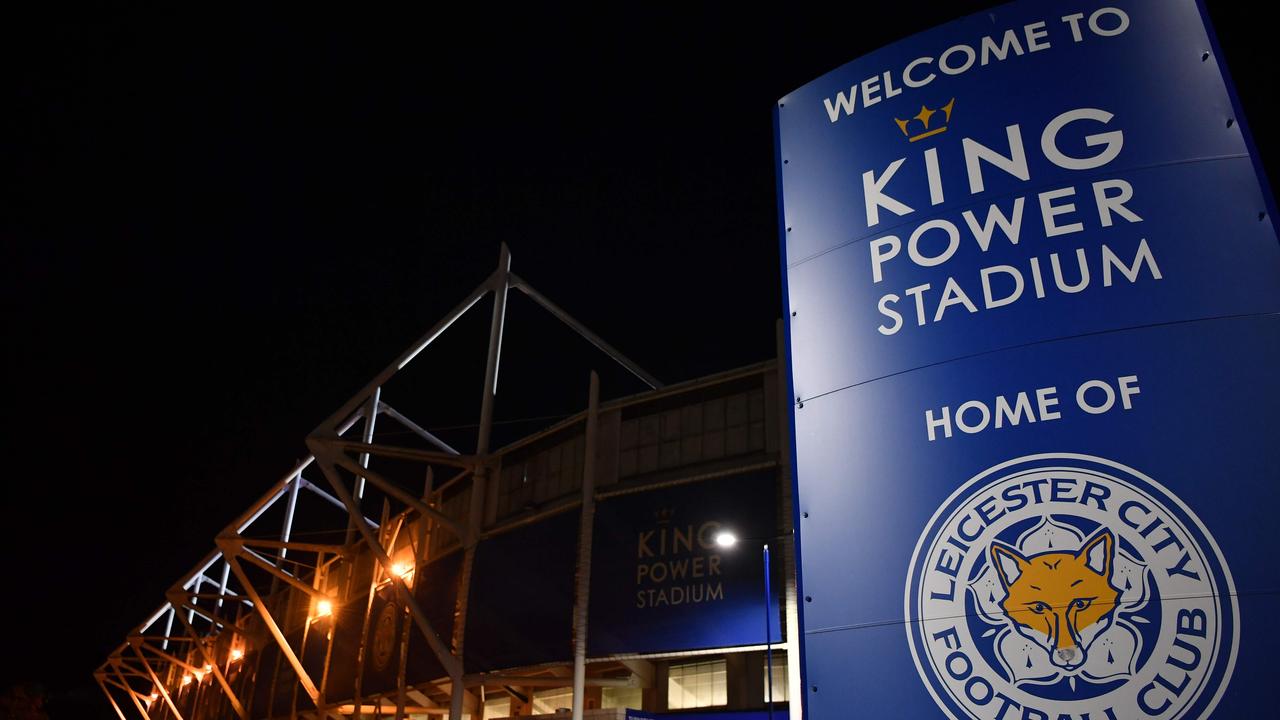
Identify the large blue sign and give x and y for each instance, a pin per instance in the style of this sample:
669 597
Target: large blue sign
1032 283
661 582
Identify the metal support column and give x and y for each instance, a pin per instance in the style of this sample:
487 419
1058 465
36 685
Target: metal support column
582 597
366 437
501 283
768 632
292 505
222 584
168 628
195 590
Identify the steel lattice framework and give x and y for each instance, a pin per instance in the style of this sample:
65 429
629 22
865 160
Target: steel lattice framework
203 628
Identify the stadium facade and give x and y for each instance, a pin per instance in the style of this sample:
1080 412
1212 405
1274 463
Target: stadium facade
631 560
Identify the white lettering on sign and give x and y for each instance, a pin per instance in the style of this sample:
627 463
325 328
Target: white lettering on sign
1063 212
1093 397
961 58
678 565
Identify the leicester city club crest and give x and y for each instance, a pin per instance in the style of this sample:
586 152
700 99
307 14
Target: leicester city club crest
1069 587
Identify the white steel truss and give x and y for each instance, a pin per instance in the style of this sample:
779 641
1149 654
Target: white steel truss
214 602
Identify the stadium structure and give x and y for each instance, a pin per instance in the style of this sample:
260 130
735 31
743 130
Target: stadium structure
613 565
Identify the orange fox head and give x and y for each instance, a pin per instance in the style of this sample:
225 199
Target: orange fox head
1059 600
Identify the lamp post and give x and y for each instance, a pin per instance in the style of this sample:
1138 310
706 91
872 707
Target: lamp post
726 539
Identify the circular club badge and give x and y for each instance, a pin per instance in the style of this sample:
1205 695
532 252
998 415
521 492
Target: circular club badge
384 636
1069 587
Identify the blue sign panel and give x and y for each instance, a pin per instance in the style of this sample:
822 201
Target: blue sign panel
1032 281
660 581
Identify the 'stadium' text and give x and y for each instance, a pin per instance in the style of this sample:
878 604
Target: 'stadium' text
1059 212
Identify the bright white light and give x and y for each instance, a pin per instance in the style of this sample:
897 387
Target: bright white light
199 675
726 539
324 608
403 569
186 680
236 654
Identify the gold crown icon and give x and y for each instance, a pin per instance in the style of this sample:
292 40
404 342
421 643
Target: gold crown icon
925 117
663 516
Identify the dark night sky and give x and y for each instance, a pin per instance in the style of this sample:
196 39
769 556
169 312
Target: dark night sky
217 227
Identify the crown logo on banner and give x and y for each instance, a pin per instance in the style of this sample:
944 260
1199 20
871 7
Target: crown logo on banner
662 516
926 117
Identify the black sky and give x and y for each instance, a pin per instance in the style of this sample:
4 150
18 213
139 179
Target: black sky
218 226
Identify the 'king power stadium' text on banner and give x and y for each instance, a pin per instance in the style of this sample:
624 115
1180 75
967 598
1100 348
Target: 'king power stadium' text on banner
1032 279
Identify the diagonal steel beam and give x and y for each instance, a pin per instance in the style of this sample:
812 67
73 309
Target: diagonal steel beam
279 488
501 284
218 596
164 692
269 561
159 613
120 665
170 658
400 452
564 317
114 682
162 638
352 405
266 502
416 429
451 664
319 445
133 695
320 492
101 678
366 438
303 676
168 627
212 662
213 618
300 546
234 547
291 507
459 477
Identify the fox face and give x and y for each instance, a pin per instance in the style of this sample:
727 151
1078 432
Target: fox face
1059 600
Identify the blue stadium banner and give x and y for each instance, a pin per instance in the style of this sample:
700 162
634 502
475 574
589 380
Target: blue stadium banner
1032 285
661 582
